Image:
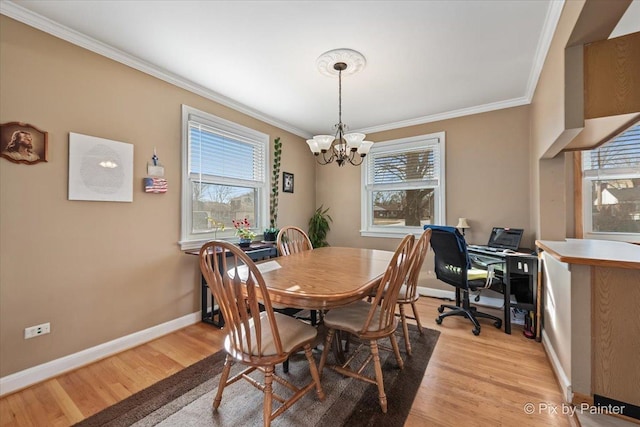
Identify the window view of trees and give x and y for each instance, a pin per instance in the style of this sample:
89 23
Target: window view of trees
613 176
214 205
409 206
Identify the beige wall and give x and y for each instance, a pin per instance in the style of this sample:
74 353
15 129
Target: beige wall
548 184
99 270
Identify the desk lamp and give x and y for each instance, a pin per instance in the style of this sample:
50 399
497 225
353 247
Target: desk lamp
462 225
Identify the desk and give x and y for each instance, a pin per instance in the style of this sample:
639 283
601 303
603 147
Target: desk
519 270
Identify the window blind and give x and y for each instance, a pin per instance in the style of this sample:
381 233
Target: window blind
216 153
413 165
621 153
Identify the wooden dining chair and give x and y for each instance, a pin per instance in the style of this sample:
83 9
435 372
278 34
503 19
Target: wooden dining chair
257 339
408 293
370 322
292 240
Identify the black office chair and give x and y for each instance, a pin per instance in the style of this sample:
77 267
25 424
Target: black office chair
452 266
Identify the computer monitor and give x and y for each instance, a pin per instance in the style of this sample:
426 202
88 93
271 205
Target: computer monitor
505 238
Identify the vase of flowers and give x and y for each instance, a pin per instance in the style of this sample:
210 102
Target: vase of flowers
243 231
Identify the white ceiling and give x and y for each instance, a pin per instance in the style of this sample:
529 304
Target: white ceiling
426 60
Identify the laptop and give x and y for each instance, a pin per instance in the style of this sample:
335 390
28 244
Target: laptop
502 238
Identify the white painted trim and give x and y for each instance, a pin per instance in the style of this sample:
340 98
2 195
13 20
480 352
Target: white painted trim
548 30
39 22
515 102
47 370
485 301
436 293
561 376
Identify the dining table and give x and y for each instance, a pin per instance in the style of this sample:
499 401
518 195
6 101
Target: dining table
324 278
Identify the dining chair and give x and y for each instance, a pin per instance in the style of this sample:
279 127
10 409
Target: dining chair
408 293
370 322
292 240
255 338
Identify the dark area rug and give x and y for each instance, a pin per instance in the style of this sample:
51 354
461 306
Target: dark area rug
185 398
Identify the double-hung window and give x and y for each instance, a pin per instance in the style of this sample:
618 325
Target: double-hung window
404 187
611 188
224 177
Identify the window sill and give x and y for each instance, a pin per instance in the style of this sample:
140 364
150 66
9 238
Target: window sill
618 237
390 234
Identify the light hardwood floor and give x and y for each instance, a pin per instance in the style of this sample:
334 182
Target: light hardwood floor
472 381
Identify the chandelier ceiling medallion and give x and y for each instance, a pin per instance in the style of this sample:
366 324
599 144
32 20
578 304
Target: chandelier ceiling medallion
341 147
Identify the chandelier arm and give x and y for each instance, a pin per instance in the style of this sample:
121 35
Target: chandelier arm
353 157
331 158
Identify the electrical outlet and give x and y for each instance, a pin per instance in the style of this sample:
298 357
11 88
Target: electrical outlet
35 331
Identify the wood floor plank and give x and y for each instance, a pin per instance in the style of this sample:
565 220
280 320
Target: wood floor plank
471 381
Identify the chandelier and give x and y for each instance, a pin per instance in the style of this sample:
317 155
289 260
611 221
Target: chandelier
341 147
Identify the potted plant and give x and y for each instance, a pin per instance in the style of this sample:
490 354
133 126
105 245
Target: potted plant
243 230
271 233
318 227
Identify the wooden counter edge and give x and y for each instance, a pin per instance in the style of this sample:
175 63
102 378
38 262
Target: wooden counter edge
588 261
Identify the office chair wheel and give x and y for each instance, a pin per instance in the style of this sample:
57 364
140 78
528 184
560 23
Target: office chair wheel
441 309
498 324
477 298
476 332
439 320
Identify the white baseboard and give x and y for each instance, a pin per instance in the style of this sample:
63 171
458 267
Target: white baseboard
485 301
436 293
47 370
563 380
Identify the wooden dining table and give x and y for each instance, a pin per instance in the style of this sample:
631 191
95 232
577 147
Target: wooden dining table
324 278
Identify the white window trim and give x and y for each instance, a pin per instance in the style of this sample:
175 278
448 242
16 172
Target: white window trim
186 202
440 192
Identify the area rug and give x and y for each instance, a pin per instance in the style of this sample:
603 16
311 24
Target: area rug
185 398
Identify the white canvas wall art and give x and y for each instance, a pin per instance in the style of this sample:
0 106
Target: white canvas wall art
100 169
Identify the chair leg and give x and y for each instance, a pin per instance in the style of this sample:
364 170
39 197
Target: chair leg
268 395
228 361
379 379
405 329
415 314
325 350
314 371
396 350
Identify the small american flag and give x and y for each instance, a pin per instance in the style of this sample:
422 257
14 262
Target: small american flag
155 185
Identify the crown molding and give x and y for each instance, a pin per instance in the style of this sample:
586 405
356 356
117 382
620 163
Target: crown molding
516 102
546 36
19 13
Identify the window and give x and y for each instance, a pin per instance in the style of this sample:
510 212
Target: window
403 184
611 188
224 177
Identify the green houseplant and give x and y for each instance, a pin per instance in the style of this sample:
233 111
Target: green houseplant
319 226
271 233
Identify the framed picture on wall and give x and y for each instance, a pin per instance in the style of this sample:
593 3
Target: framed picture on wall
100 169
287 182
23 143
